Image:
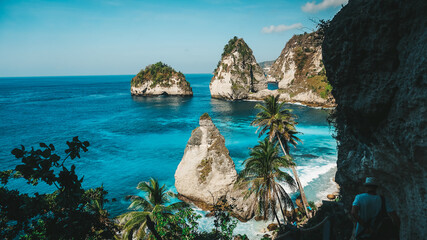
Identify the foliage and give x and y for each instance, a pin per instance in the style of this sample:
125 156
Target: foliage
224 223
279 124
235 43
205 116
312 205
135 222
230 46
320 84
262 173
322 26
276 121
241 237
69 212
159 73
182 225
300 58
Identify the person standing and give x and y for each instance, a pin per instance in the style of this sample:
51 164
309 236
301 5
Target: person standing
366 211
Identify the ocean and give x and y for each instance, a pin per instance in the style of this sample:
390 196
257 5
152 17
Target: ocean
135 138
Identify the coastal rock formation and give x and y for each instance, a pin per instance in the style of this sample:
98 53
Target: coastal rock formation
160 79
300 73
207 173
308 98
237 74
266 65
375 58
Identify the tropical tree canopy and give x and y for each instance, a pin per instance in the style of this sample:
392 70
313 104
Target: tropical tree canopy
277 122
154 202
262 173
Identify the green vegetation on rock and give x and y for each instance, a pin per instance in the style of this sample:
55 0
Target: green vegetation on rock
319 84
205 168
235 43
205 116
300 58
159 74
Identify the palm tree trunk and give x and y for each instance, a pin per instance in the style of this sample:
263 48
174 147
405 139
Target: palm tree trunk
301 189
275 214
280 204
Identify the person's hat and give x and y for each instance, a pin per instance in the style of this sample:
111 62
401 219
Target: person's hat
370 181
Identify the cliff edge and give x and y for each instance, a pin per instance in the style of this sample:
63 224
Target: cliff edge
300 73
375 58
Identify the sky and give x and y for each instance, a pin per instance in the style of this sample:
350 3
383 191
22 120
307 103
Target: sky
120 37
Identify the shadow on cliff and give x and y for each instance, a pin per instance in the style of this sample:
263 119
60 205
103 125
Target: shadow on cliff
374 54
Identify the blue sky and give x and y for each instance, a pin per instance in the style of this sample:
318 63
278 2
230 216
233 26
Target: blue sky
103 37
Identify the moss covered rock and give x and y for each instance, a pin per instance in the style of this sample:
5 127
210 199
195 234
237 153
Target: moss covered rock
237 74
300 73
160 79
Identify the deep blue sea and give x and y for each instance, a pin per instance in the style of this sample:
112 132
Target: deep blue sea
135 138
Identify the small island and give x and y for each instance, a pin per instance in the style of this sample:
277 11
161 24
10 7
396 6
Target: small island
237 74
160 79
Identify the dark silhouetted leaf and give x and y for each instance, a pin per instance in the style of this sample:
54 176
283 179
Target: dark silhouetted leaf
18 153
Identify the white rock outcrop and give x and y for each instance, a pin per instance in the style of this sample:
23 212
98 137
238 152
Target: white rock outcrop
207 173
160 79
175 88
237 74
299 71
307 98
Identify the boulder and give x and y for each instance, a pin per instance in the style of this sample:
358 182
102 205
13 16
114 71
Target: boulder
272 226
207 173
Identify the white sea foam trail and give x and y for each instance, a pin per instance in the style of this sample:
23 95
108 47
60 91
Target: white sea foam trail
308 173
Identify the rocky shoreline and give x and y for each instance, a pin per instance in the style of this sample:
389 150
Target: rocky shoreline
260 96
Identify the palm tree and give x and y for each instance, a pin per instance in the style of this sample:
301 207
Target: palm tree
135 222
279 124
262 173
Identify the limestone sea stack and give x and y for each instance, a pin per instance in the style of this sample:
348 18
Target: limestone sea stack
237 74
300 73
207 173
160 79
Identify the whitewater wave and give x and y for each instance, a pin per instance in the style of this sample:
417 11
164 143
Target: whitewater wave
309 173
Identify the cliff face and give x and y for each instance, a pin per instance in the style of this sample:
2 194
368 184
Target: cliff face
375 56
207 173
237 74
160 79
300 73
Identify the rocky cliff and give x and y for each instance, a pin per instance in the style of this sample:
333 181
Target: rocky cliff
375 58
207 173
237 74
300 73
160 79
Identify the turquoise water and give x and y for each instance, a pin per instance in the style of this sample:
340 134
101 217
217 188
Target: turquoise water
134 138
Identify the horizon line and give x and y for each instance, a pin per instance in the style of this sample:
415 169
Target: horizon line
89 75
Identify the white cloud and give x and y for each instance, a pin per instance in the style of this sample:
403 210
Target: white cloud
280 28
312 7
